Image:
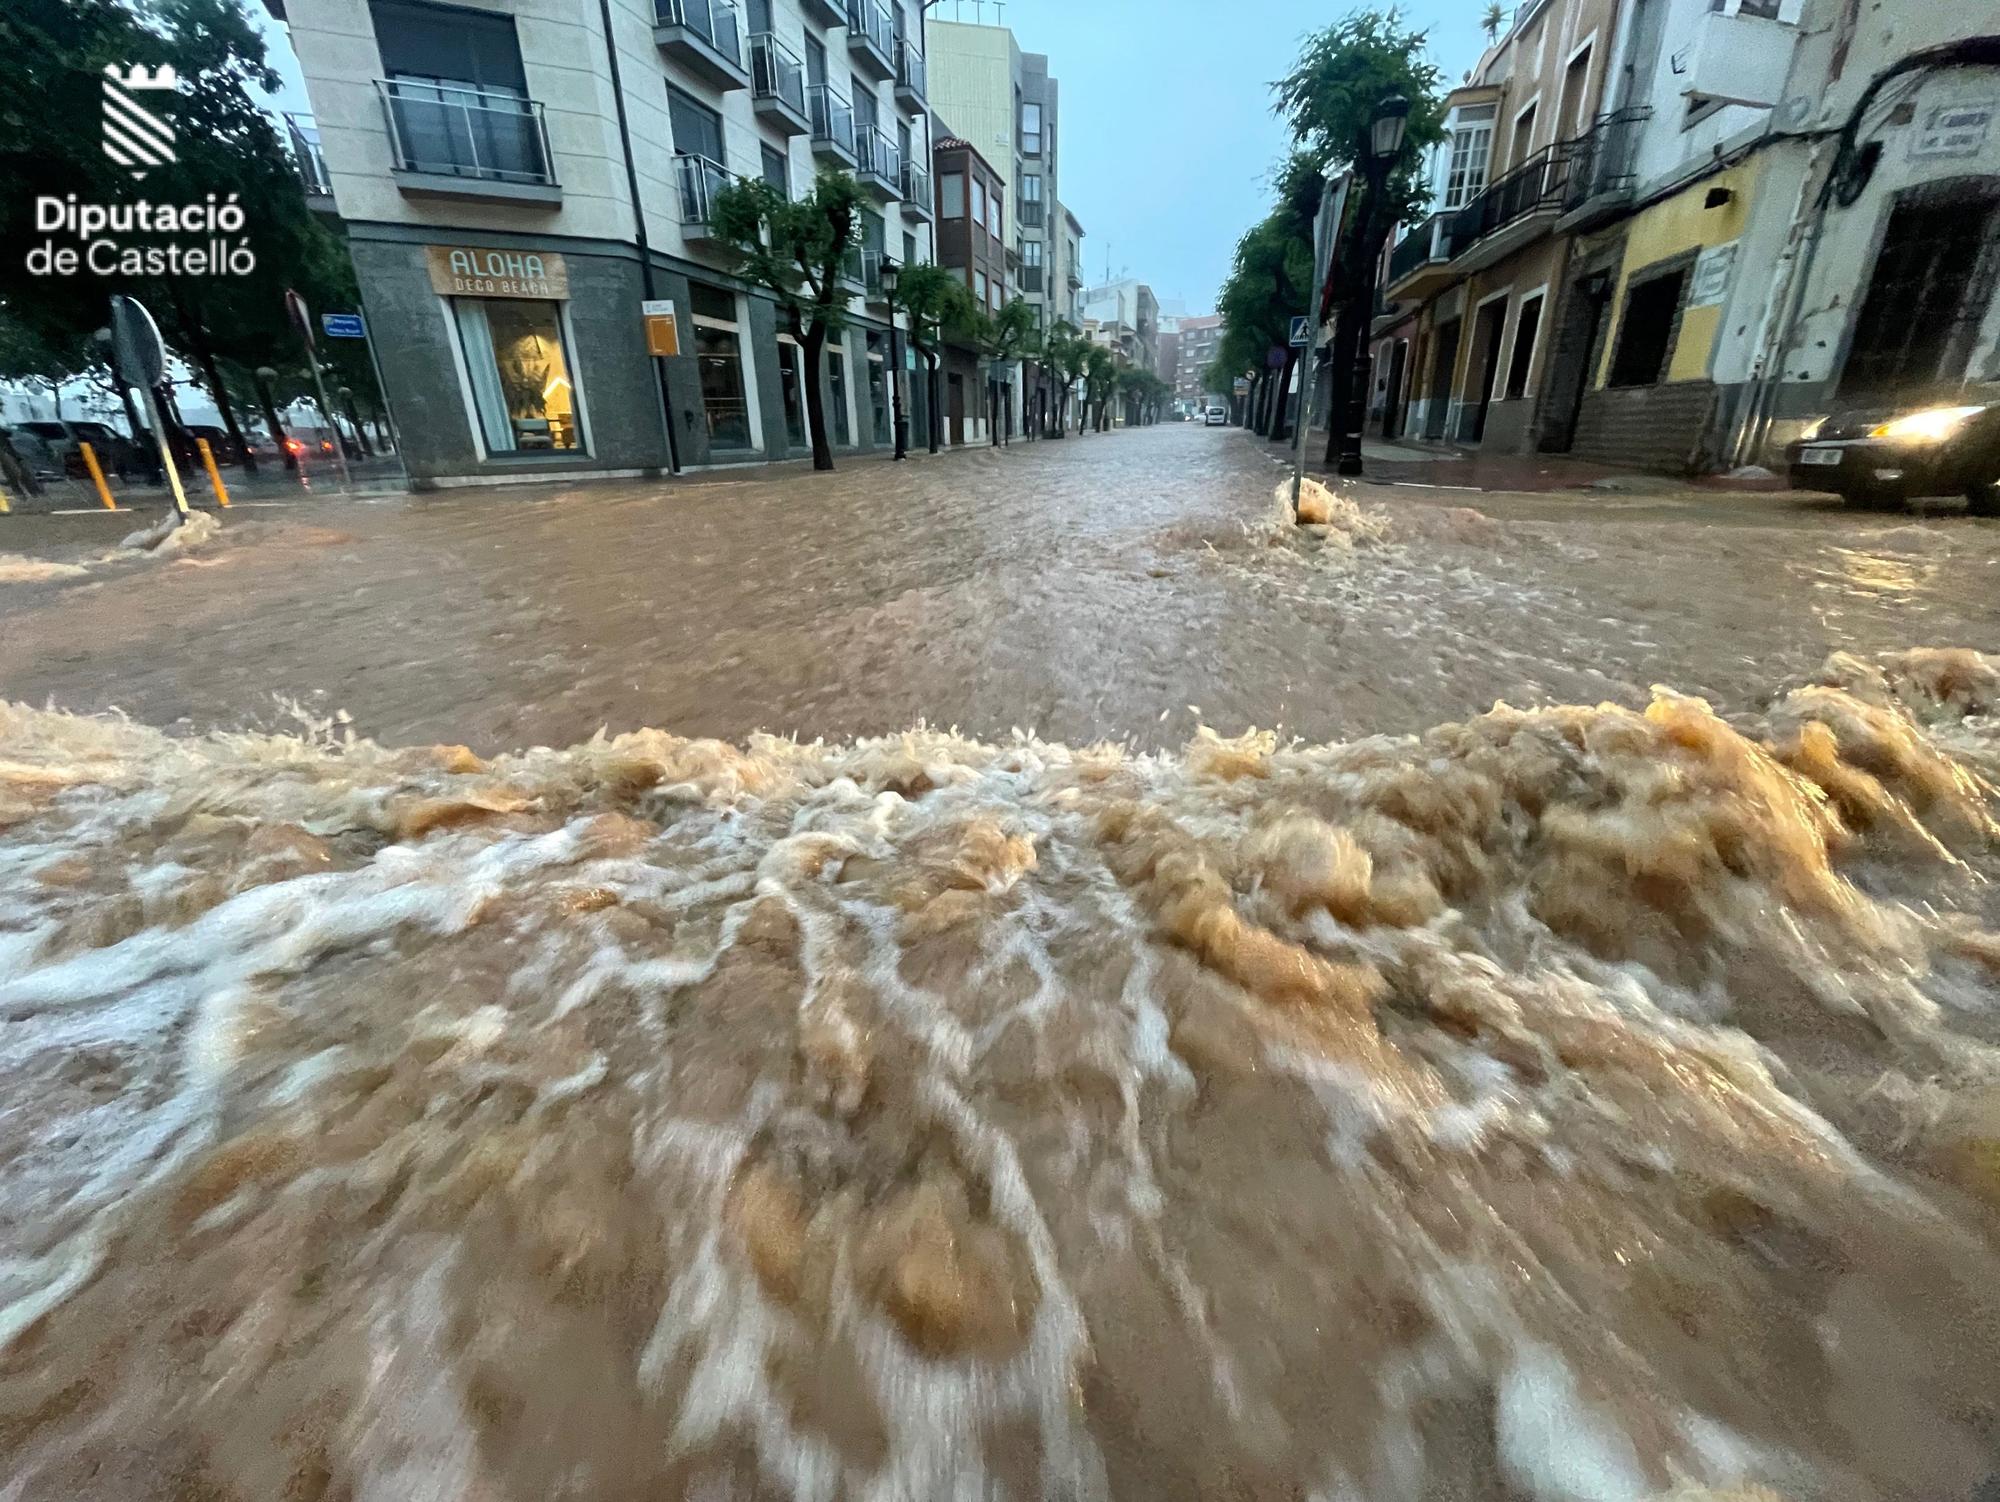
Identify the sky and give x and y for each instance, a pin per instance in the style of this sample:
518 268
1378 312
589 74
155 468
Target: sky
1167 135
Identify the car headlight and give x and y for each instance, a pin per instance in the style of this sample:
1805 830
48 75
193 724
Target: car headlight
1932 425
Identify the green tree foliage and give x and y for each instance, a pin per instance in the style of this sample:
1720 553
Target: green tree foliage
1330 96
1011 334
798 250
1067 353
52 53
1100 379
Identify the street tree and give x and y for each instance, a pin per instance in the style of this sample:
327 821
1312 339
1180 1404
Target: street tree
1002 337
798 250
228 155
934 300
1330 99
1067 353
1100 378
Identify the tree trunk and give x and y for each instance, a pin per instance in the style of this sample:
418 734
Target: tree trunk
1282 425
196 334
1340 372
278 435
813 343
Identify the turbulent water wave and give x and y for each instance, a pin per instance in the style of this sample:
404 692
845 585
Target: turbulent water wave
1568 1103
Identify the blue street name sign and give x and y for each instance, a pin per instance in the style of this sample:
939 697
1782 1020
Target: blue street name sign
343 325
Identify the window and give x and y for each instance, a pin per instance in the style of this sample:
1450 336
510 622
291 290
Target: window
978 201
1031 253
1524 135
519 365
993 211
1031 200
1471 147
1763 10
866 116
1526 327
909 249
459 102
760 16
979 287
815 62
791 389
697 128
719 358
1576 85
1031 130
951 195
1646 332
878 389
777 171
836 365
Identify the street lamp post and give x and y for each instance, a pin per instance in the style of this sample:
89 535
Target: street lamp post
891 274
1384 146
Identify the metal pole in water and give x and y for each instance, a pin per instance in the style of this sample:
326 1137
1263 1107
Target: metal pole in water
152 406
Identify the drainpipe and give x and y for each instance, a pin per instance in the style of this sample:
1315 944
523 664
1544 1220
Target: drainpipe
639 229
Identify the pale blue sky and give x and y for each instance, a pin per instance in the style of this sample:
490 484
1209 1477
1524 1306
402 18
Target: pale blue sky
1167 132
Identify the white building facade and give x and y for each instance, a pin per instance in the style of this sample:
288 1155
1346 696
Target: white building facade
519 181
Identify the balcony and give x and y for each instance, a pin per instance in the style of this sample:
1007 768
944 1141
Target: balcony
1601 179
825 12
700 181
911 88
871 38
832 120
1735 59
918 205
871 276
484 145
778 85
705 37
854 269
1030 212
302 135
1075 278
878 164
1418 266
1514 212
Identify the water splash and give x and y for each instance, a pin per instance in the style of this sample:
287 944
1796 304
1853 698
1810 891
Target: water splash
1574 1102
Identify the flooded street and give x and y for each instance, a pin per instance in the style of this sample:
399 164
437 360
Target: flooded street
1222 1055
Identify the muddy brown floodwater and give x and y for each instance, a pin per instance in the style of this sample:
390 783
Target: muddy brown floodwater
1591 1097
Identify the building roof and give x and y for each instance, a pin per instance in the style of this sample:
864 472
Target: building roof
959 143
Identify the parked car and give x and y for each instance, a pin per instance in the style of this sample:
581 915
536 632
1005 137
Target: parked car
1216 417
1888 458
58 447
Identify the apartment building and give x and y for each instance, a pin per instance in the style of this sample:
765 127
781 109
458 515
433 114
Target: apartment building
1467 368
519 188
1006 105
971 227
1128 314
1200 342
1678 280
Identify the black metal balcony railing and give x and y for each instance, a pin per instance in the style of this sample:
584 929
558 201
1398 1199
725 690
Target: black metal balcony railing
1600 160
916 184
714 21
871 19
879 155
1031 213
776 72
303 136
1429 241
910 70
452 131
1031 279
700 181
1538 183
832 116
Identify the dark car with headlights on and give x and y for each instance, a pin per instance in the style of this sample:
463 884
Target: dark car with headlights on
1886 458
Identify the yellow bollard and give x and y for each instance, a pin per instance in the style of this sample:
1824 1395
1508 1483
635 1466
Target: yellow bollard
97 476
4 506
214 474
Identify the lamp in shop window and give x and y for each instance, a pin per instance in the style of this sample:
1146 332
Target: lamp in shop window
891 273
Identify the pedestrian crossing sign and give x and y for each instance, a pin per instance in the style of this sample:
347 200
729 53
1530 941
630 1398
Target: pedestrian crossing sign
1301 331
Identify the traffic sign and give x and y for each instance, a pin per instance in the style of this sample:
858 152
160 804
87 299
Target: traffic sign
135 342
663 335
1301 331
343 325
295 309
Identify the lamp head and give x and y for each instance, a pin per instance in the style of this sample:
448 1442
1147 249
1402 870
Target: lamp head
1387 129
